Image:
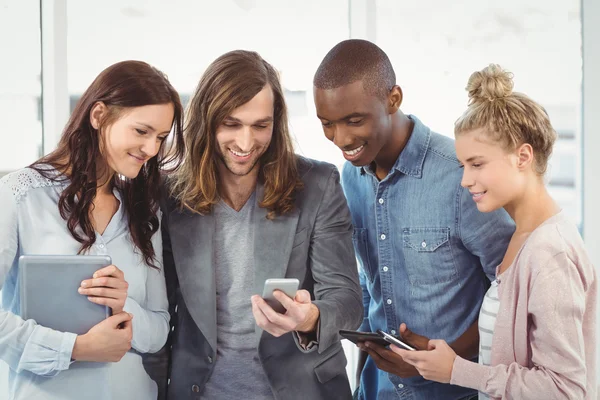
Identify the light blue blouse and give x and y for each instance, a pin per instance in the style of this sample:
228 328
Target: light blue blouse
39 358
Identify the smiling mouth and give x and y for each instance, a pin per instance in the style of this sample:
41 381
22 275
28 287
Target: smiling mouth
241 154
477 195
354 151
139 159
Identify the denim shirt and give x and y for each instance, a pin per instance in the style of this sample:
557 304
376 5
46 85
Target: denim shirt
426 254
39 358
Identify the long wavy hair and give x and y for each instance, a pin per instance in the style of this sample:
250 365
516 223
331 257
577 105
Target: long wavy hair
229 82
79 157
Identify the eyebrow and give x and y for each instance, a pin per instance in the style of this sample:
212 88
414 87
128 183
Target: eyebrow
150 127
347 117
471 159
258 121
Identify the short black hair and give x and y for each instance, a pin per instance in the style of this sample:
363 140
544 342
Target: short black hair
353 60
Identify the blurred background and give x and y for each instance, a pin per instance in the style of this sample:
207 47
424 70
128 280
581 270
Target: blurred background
51 50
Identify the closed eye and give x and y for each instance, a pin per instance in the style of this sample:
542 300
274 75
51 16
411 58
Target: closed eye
141 131
355 121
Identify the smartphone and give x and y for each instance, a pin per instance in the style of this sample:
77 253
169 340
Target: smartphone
289 286
394 340
361 337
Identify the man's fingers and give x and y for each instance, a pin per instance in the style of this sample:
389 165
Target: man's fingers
280 320
284 299
261 319
414 339
303 296
381 362
405 333
263 322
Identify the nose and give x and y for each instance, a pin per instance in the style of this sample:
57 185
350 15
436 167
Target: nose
341 139
245 139
467 181
151 146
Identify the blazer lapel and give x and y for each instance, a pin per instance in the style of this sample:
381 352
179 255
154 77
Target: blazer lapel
273 240
192 242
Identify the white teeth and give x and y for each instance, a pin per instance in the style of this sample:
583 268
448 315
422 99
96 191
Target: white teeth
478 194
240 154
355 151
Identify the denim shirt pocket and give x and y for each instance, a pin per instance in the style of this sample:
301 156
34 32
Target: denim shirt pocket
361 247
427 255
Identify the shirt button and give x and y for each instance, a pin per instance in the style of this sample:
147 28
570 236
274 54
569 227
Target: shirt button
169 381
423 244
385 269
382 236
393 332
209 359
173 328
400 386
176 308
195 388
380 201
389 301
101 245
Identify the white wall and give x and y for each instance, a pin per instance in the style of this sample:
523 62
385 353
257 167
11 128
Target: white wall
591 135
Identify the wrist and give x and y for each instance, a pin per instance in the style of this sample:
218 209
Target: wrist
80 348
310 325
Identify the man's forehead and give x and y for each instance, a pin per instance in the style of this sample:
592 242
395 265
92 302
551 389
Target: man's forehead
343 101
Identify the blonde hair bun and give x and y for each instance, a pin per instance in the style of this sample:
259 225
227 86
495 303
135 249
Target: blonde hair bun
489 84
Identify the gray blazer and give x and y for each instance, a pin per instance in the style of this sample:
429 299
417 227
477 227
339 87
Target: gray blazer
313 244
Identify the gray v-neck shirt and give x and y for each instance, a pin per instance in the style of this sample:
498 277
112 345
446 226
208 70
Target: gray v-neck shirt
238 373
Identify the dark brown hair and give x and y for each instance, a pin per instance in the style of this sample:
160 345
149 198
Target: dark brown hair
121 86
229 82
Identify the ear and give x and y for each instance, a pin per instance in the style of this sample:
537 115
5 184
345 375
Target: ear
394 99
525 156
97 113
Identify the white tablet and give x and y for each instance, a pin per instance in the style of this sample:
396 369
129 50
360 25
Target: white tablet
48 291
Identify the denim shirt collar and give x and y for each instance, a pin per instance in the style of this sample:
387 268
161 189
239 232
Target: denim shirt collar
410 161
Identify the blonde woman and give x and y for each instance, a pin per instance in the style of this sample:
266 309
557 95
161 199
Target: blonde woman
537 323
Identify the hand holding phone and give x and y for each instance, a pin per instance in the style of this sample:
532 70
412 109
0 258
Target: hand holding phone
289 286
357 337
394 340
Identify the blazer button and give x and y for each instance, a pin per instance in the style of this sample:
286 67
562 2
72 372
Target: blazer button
195 388
209 359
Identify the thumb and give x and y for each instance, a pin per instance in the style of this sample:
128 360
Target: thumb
302 296
433 344
119 318
405 333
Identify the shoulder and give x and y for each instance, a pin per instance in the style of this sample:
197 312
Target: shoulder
442 148
555 246
21 182
313 172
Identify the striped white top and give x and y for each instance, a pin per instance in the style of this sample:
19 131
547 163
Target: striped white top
487 321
